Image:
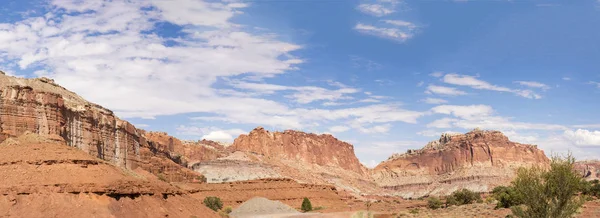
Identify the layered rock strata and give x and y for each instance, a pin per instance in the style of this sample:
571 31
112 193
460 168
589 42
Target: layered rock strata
478 160
43 177
41 106
322 150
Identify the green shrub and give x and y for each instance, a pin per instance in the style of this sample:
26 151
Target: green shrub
506 196
549 193
463 196
434 203
228 210
451 200
414 211
591 188
306 205
225 211
213 203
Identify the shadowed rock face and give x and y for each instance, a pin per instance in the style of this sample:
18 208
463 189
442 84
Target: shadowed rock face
42 107
323 150
590 169
478 160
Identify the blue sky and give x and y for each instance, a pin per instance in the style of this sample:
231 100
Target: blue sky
384 75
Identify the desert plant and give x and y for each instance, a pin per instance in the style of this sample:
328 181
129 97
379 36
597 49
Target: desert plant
306 205
414 211
506 196
201 178
463 196
549 193
434 203
225 211
591 188
451 200
213 203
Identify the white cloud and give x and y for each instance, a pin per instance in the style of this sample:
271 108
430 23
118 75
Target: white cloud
437 74
210 133
401 23
219 136
302 94
376 129
583 137
108 52
593 126
533 84
420 84
481 116
597 84
443 90
465 112
470 81
434 101
339 129
393 33
566 78
375 9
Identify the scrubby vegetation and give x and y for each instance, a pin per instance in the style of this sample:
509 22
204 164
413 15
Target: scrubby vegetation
306 205
434 203
213 203
591 188
461 197
225 211
549 193
506 196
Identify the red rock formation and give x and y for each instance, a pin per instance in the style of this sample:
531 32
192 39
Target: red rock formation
589 169
323 150
478 160
190 151
44 177
40 106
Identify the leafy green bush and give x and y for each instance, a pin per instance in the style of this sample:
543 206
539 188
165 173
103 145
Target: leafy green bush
434 203
451 200
306 205
549 193
213 203
506 196
463 196
591 188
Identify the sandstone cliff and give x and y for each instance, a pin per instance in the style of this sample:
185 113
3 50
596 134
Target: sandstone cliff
589 169
41 106
322 150
477 160
43 177
304 157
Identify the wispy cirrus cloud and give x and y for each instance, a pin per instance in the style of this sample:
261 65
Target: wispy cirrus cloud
393 33
533 84
443 90
376 9
434 101
475 83
392 29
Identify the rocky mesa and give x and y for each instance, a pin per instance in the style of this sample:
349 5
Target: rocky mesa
322 150
43 107
478 160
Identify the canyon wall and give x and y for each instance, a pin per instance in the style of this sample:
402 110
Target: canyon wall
42 107
322 150
478 160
